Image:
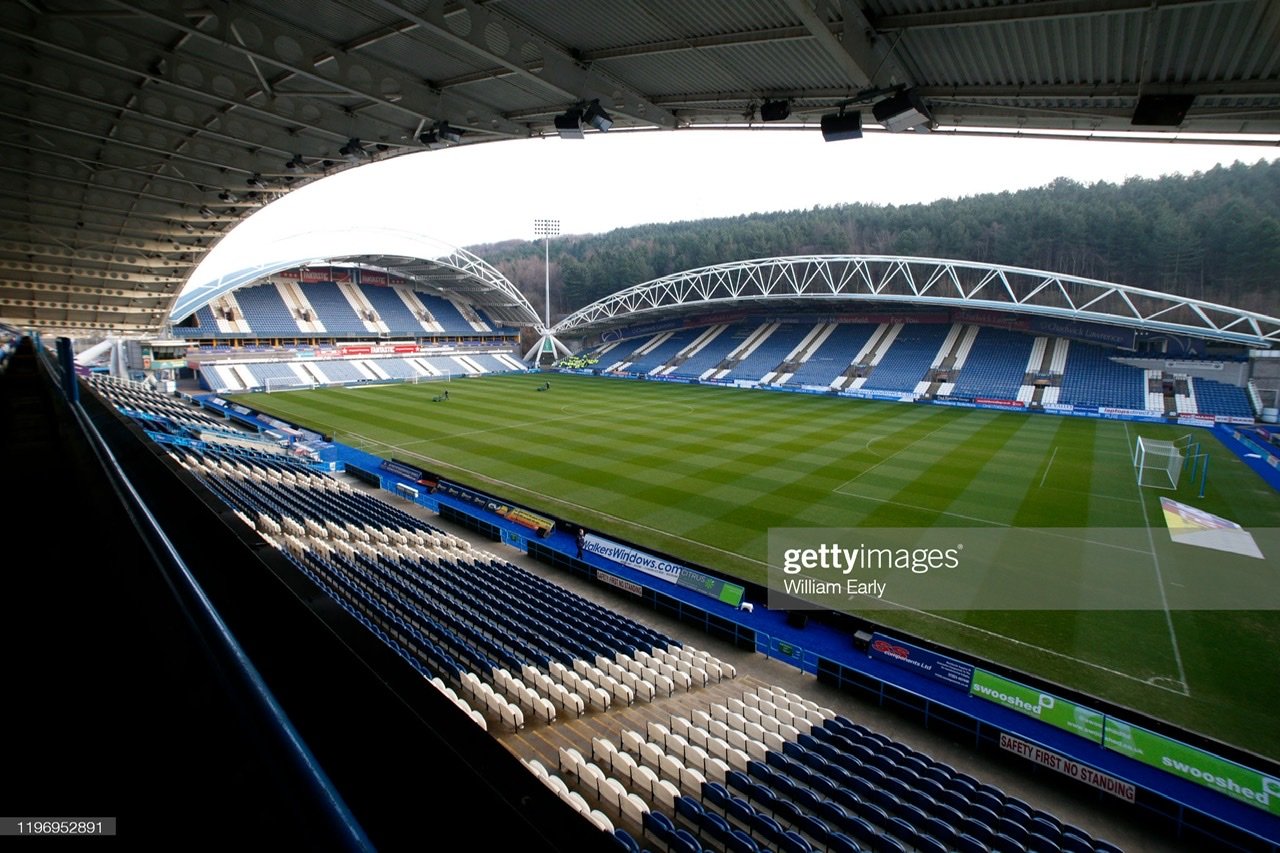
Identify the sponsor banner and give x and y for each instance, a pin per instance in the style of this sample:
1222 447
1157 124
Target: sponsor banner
372 277
1000 319
1068 767
1222 419
1045 707
1062 407
409 472
316 274
992 401
1128 413
956 404
377 349
893 396
620 583
1196 420
630 557
728 593
291 275
517 515
1110 335
1194 765
1264 433
1194 365
949 671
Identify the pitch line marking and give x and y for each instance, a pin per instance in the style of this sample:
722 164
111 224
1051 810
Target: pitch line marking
913 443
1155 561
1047 467
966 626
963 625
637 525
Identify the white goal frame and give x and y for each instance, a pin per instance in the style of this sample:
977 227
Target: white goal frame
1158 464
285 383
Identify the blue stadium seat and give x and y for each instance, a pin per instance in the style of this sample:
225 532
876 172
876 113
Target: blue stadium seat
841 843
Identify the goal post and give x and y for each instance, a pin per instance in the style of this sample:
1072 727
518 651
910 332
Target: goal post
285 383
1158 464
417 378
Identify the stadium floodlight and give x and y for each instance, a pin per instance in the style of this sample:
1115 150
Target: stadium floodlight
449 134
775 110
842 125
354 151
295 164
569 124
597 117
903 111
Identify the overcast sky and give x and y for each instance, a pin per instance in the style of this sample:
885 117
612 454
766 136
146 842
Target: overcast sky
486 193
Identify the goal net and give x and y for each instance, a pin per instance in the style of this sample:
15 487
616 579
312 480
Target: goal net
285 383
444 376
1158 464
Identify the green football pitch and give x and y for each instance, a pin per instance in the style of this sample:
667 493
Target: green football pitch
702 473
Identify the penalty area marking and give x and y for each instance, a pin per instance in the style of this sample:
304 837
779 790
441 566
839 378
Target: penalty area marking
1155 561
1181 689
633 524
839 489
1047 467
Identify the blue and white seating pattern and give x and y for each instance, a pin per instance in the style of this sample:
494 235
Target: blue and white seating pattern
908 358
333 310
1091 378
996 365
265 312
1219 398
770 353
835 355
834 785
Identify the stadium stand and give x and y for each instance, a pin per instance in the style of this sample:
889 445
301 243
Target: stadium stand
749 767
1219 398
832 358
445 313
996 365
770 352
1091 378
265 312
334 310
392 310
715 352
649 354
908 358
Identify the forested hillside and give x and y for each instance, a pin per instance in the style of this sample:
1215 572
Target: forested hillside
1213 235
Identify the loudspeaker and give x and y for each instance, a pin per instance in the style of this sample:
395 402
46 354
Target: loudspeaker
861 640
775 110
1161 110
797 618
837 126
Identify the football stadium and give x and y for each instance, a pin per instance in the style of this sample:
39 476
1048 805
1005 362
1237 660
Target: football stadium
810 552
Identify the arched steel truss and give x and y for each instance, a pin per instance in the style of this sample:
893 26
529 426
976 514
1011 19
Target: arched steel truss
416 257
888 279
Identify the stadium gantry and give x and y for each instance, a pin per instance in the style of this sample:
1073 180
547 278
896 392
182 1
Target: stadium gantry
807 280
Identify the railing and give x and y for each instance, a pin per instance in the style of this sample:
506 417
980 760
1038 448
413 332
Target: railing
298 769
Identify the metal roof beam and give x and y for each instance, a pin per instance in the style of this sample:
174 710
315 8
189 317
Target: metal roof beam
559 71
1033 11
306 52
